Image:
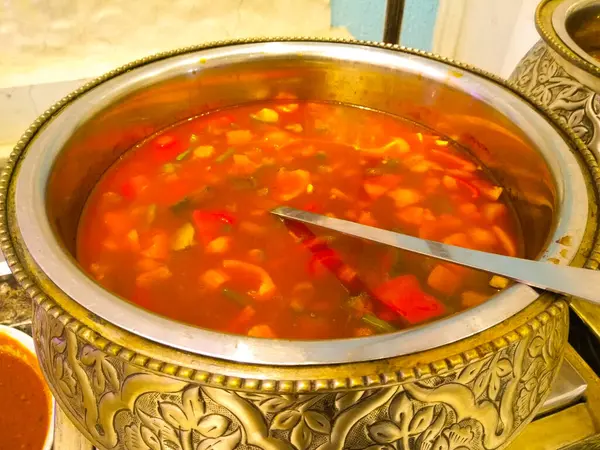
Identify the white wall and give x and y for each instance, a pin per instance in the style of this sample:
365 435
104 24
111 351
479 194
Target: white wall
490 34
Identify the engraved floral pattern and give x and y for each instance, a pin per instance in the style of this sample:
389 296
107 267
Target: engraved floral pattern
474 407
540 75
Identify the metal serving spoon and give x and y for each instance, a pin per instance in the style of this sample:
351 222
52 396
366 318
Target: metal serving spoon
582 283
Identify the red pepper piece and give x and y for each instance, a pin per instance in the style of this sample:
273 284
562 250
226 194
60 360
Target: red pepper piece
472 190
166 147
209 224
134 186
404 295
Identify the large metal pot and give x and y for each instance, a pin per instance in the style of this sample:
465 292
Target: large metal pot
562 72
130 379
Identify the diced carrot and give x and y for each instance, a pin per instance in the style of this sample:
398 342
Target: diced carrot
291 183
238 137
507 242
414 215
430 184
166 147
482 239
134 240
158 247
377 186
146 279
266 287
261 331
214 278
219 245
469 299
366 218
444 280
204 151
405 197
493 211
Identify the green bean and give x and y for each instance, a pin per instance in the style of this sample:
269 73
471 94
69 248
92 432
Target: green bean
224 156
379 325
237 297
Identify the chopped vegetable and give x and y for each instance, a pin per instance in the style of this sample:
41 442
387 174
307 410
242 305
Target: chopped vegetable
414 215
482 238
243 164
377 186
453 161
237 297
219 245
134 187
225 156
134 240
498 282
151 214
266 287
404 295
494 211
261 331
252 229
184 237
444 280
204 151
146 279
380 325
288 108
214 278
290 184
296 128
266 115
159 246
242 319
405 197
165 141
183 155
238 137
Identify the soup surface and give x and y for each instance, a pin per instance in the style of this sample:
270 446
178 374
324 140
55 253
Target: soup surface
181 224
24 416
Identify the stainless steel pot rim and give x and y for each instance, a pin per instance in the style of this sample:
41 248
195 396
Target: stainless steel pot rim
559 21
64 272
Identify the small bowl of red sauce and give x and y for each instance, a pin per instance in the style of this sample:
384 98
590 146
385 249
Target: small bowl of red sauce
27 412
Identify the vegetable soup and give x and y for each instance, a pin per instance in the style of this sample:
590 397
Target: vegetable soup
181 224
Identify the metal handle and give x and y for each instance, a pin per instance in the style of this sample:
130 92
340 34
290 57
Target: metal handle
582 283
394 11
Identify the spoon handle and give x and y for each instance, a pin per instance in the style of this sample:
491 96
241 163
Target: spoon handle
581 283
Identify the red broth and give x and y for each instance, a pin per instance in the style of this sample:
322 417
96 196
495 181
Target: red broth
180 225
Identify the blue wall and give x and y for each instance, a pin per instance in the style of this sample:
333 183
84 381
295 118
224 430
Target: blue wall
365 18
